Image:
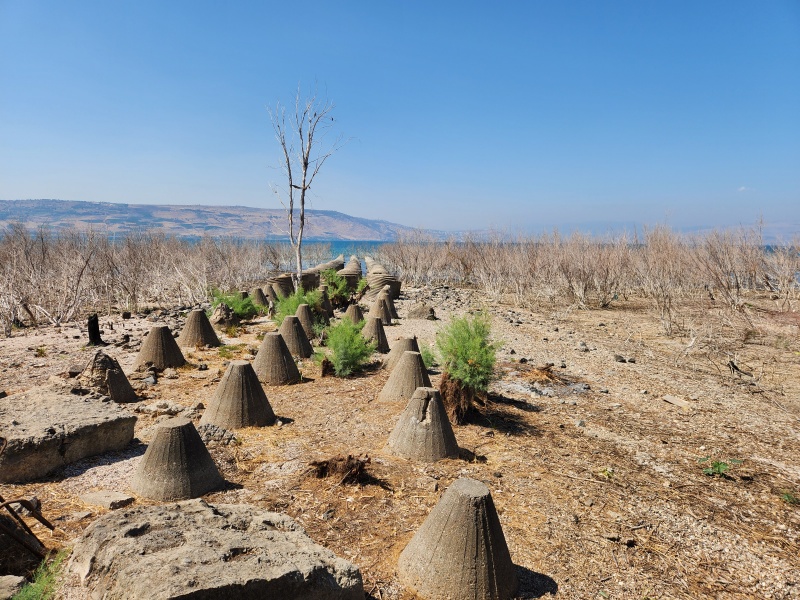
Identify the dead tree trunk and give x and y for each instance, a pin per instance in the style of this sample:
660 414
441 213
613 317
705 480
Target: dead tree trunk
93 326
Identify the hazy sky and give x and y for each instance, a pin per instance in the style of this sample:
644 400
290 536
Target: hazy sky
461 114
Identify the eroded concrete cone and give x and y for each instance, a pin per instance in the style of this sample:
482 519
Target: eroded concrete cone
424 432
373 330
176 464
274 364
295 337
160 349
198 331
257 294
354 313
401 345
104 374
405 378
460 552
303 314
380 308
239 400
386 294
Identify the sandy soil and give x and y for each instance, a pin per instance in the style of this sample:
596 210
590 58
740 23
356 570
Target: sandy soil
595 475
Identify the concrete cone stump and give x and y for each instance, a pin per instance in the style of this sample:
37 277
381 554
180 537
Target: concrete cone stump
373 330
257 294
423 432
460 552
403 344
198 331
176 464
386 295
406 377
354 313
274 364
239 400
160 349
303 314
295 337
380 309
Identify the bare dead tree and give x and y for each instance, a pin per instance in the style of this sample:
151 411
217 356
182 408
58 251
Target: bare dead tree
302 139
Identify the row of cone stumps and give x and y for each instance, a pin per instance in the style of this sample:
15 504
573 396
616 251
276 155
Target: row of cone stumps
458 552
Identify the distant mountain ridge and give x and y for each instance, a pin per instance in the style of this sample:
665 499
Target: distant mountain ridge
196 220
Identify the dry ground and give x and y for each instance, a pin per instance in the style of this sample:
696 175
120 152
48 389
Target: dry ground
595 476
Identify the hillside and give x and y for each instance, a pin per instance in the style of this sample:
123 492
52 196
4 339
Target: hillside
194 220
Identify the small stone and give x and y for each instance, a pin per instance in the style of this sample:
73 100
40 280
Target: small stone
603 391
523 360
3 393
632 359
107 499
170 373
644 392
619 358
580 423
202 367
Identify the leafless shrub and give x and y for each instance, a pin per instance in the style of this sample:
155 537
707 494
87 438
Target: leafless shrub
54 276
731 263
782 268
660 262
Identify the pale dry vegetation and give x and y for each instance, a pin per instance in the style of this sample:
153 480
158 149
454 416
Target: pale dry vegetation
56 276
674 273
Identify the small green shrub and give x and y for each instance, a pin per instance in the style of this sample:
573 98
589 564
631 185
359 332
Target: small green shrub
790 498
288 306
319 331
349 350
232 331
244 308
466 353
229 351
41 351
718 468
428 357
337 287
43 586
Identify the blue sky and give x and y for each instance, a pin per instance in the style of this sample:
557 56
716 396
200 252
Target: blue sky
461 115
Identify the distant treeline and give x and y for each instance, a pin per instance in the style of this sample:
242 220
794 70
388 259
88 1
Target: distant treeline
55 276
660 265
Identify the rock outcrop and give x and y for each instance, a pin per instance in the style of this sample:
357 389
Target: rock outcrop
193 549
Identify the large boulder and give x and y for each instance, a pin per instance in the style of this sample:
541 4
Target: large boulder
192 549
46 428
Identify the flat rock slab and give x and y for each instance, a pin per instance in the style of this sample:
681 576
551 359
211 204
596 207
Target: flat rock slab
46 428
107 499
192 549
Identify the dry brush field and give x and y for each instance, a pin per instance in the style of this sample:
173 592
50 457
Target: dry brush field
594 463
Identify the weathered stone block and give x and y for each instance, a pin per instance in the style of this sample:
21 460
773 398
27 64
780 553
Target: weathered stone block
46 428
